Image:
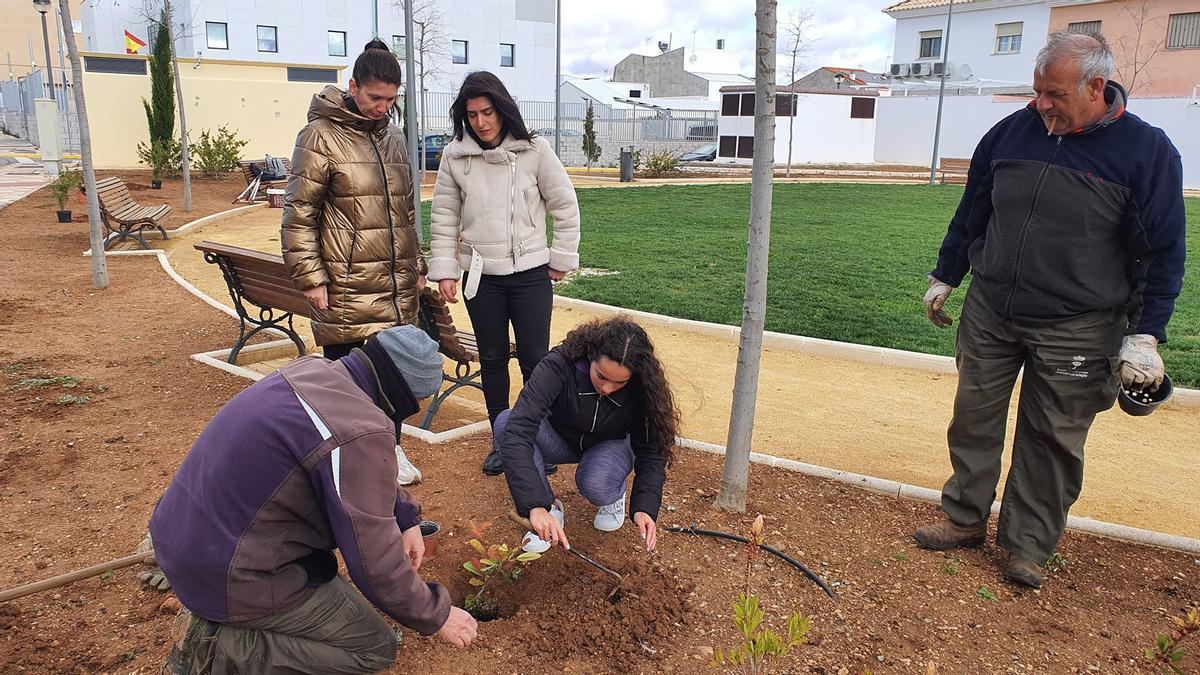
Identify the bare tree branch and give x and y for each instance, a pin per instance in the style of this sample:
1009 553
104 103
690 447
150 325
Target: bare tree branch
1136 49
798 45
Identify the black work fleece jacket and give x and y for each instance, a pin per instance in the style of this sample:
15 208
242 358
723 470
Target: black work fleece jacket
561 392
1054 226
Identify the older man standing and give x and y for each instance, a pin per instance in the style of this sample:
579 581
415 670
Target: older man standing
1072 225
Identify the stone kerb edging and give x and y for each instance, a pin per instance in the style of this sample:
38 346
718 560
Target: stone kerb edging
882 356
903 490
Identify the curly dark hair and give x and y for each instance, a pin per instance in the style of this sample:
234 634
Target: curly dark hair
625 342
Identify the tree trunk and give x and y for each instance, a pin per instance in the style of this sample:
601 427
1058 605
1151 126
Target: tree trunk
183 132
95 227
732 496
792 109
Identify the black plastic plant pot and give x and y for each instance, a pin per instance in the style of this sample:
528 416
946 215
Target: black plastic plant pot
155 184
64 216
429 533
1139 403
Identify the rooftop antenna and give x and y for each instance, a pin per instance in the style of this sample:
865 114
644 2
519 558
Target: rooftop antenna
694 38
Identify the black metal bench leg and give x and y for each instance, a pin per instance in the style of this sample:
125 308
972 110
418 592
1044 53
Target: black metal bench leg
438 400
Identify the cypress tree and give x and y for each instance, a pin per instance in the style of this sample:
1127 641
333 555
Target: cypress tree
160 109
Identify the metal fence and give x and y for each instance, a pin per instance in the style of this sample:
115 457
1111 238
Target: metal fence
636 125
17 109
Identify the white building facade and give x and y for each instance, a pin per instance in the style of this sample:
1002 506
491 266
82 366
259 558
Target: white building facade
828 126
997 40
515 39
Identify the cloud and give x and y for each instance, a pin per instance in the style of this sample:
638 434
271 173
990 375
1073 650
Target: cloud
850 33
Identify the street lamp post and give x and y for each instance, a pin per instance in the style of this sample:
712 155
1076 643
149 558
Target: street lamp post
937 126
43 6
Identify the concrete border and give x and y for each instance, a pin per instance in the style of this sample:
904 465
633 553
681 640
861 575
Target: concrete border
891 488
881 356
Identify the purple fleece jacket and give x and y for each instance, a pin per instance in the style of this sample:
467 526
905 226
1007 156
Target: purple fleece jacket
300 463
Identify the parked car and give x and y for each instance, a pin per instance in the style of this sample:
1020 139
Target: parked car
704 153
702 132
567 133
433 145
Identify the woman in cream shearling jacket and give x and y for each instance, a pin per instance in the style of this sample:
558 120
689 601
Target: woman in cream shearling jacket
495 186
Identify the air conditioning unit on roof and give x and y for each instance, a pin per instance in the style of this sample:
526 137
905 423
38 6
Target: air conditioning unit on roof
900 69
919 69
943 69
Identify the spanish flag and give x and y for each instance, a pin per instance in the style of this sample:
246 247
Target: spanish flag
132 43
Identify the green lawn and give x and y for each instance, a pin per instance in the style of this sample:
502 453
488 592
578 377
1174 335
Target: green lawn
848 262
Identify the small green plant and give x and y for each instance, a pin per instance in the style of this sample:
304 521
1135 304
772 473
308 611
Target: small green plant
950 567
60 188
1057 563
62 381
495 561
899 557
638 158
661 163
72 399
165 158
218 152
986 594
1166 652
759 644
108 575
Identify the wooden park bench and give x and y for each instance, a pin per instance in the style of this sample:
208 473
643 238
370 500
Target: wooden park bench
955 168
256 189
264 298
125 218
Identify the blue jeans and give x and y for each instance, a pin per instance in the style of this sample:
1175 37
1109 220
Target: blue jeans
602 470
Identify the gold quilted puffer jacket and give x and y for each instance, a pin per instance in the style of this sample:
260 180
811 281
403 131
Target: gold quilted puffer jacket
348 221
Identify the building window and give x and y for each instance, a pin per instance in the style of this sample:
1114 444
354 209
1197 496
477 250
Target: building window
728 145
1085 27
459 51
931 44
337 43
1183 31
745 149
398 46
862 108
312 75
747 108
785 105
218 35
268 39
635 93
1008 37
729 107
508 55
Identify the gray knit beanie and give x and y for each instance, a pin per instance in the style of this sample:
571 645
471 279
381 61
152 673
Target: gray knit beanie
416 356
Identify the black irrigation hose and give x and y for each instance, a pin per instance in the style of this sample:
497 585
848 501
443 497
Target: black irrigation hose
692 529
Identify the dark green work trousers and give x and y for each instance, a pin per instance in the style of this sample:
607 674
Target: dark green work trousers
1070 375
334 631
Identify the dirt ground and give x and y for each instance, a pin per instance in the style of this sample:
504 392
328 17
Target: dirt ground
84 459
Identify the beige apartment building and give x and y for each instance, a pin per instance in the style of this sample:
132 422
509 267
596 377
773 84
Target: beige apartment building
1156 42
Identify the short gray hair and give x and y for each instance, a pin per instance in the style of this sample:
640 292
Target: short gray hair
1089 51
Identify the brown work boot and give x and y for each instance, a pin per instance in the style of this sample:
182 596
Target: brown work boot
947 535
1023 571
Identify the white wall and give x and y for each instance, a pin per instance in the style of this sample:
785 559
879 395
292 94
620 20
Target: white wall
973 39
904 127
303 25
824 132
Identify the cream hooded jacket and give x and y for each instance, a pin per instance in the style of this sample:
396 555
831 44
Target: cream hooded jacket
492 205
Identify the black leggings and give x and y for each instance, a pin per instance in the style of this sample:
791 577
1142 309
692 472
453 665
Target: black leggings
524 299
335 352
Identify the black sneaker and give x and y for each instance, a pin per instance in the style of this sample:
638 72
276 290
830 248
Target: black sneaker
492 464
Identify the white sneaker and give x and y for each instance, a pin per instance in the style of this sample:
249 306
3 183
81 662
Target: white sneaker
611 517
406 473
535 544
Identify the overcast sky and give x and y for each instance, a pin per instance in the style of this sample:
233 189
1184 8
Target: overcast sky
596 35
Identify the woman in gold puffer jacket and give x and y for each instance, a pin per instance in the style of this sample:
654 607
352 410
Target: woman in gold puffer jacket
347 235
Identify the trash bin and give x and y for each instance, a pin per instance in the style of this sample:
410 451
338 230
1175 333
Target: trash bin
627 164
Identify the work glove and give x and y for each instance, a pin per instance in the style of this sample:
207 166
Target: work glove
935 297
1141 366
153 578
